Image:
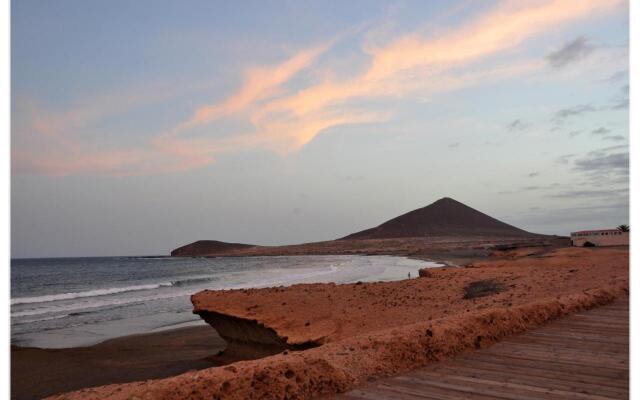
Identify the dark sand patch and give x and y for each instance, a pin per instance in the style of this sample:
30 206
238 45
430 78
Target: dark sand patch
482 288
36 373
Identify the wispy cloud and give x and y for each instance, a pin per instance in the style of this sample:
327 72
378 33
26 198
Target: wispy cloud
604 166
517 125
530 188
283 117
621 101
573 111
571 52
410 64
596 212
259 83
617 76
55 143
565 158
600 131
607 150
503 28
615 138
572 194
598 175
560 117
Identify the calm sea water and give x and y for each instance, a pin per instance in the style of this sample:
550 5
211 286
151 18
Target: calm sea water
68 302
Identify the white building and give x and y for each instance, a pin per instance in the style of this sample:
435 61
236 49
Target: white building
600 237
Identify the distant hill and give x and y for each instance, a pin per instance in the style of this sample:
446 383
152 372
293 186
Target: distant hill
207 247
444 217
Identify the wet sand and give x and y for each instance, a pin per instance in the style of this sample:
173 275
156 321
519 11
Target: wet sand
36 373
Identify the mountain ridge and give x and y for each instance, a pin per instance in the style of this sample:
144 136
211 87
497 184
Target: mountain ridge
445 216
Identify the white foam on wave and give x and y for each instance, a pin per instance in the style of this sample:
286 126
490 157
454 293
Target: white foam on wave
191 284
92 304
88 293
185 281
110 302
40 319
287 278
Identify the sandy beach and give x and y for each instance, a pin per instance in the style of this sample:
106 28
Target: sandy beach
37 373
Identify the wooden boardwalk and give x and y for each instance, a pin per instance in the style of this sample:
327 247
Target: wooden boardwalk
583 356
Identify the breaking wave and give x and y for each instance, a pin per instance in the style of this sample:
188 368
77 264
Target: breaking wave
88 293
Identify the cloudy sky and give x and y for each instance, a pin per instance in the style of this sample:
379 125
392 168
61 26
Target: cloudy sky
141 126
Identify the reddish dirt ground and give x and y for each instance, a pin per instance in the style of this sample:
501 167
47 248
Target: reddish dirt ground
327 312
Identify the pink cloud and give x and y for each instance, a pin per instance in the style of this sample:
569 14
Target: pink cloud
285 119
260 82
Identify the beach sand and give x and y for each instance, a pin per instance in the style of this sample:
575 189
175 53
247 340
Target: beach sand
36 373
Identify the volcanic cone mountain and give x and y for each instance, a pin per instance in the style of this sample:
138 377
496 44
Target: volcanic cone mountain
445 217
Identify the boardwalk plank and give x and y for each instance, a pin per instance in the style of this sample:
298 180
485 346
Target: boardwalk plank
584 356
508 387
576 377
552 381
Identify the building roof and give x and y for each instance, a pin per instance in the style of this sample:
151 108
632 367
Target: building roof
597 230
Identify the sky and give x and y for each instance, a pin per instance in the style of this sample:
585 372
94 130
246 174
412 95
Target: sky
141 126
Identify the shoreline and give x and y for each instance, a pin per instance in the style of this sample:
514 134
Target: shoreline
122 359
58 337
417 322
40 372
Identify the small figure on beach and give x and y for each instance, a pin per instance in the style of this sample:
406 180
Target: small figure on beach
409 275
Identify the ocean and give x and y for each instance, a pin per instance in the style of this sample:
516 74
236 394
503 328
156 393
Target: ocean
71 302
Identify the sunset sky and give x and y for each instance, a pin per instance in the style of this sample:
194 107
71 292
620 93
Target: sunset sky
139 126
